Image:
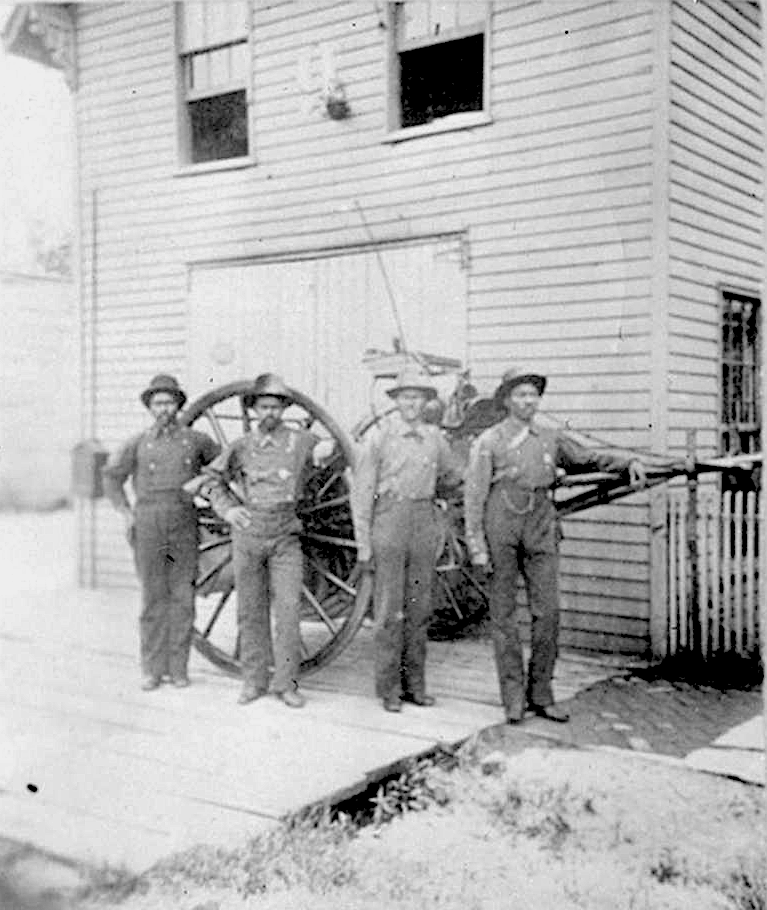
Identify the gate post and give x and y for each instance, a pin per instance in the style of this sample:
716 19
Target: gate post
693 612
659 606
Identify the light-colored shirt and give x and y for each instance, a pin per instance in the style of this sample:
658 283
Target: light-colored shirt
530 457
265 469
158 461
402 460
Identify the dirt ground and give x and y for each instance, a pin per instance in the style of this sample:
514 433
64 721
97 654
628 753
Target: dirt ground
532 816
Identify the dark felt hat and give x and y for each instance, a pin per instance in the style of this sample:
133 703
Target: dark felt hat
163 383
270 384
514 377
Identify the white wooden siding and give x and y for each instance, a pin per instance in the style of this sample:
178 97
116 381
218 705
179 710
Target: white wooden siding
716 196
554 198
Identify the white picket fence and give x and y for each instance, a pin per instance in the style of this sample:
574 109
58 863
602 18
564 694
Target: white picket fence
714 609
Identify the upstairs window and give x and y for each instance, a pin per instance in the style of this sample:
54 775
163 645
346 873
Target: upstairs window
439 64
214 69
741 415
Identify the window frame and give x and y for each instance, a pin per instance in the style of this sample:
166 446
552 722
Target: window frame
451 122
754 428
185 166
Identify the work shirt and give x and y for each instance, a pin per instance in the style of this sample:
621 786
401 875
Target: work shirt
401 460
530 457
265 469
158 461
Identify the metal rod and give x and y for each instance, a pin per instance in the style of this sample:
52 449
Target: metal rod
384 273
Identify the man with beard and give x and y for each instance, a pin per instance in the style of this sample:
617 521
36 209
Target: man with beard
401 461
162 527
267 466
511 525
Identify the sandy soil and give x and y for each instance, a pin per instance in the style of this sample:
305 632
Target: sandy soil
544 828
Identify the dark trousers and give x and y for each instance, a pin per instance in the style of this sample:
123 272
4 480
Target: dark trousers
165 550
521 529
268 572
404 542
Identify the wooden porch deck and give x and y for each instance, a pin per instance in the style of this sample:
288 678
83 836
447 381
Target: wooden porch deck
93 768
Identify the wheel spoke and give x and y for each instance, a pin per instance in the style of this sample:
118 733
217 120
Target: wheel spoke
474 583
328 504
245 415
201 582
338 582
334 541
317 606
215 424
451 597
212 544
217 612
336 475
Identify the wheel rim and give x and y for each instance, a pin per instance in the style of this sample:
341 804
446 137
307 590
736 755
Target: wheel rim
335 597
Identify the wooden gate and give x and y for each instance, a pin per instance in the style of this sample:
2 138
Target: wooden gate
707 551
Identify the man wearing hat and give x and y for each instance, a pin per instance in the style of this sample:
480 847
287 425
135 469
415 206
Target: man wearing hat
162 527
511 525
268 466
400 462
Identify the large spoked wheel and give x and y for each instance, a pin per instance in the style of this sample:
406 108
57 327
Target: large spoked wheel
335 596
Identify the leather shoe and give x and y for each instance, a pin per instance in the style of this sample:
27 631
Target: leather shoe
250 693
392 703
180 682
150 682
550 712
424 701
292 698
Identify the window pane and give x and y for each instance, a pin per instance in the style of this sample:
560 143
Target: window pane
238 62
412 20
192 25
443 17
219 127
441 79
219 66
226 22
199 72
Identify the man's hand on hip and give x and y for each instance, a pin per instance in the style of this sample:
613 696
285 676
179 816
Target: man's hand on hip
238 517
637 473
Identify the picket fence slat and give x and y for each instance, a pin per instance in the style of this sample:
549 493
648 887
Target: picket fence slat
727 584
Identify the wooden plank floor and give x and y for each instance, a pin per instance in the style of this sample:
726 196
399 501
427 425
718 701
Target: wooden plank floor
93 768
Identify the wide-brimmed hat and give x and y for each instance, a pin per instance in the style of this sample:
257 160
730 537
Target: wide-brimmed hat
413 377
514 377
163 383
270 384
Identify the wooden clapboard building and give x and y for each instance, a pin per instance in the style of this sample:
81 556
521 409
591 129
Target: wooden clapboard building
572 185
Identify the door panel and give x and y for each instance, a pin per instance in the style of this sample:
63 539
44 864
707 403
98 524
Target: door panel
311 320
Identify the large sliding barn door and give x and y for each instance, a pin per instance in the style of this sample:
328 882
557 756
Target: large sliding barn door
311 319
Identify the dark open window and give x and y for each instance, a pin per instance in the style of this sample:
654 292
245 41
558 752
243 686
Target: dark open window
741 416
214 65
438 61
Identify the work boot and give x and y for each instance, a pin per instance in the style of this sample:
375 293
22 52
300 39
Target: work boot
423 701
556 713
150 682
392 703
250 692
292 698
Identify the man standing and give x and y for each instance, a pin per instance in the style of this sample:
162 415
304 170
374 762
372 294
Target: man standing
268 466
162 527
393 506
511 524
